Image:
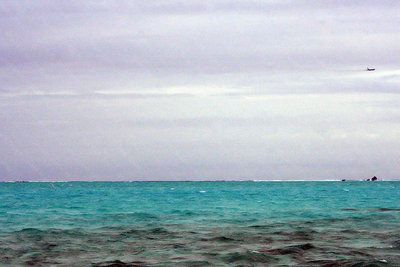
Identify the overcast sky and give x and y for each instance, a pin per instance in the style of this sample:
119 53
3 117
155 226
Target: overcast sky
199 90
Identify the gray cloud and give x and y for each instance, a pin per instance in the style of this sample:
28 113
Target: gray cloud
199 89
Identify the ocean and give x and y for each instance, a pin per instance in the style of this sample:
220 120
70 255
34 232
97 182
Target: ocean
200 224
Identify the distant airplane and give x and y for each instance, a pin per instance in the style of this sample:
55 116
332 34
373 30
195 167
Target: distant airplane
370 69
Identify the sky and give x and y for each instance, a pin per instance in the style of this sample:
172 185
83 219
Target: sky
199 90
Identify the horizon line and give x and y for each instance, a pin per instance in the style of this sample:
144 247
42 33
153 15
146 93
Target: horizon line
217 180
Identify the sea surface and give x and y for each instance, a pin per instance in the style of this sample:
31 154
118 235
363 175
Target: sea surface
200 224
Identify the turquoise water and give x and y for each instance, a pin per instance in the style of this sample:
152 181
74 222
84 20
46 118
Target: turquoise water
200 224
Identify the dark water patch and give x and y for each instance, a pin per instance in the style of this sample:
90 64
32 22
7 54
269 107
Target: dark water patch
131 233
51 232
179 258
48 239
159 230
364 252
118 263
238 221
30 234
142 215
349 231
48 247
178 245
236 235
295 235
195 263
364 263
258 226
111 229
122 233
158 233
129 217
36 259
396 244
327 263
303 234
222 239
186 213
30 231
249 257
295 249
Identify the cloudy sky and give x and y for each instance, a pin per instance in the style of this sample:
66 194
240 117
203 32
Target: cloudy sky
199 90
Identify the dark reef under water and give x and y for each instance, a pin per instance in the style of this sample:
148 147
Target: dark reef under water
309 243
